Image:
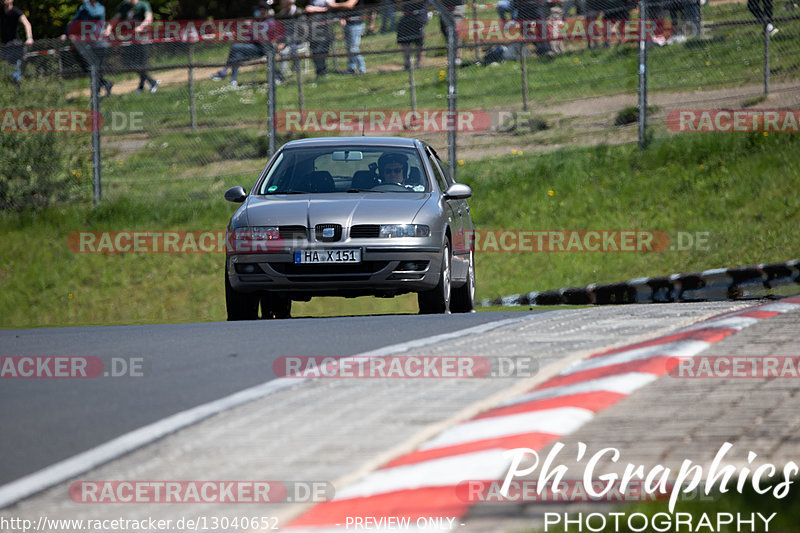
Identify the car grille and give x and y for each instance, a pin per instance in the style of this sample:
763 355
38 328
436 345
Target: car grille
365 231
293 232
320 228
293 269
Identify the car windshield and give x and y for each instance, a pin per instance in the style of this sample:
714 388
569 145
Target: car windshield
346 169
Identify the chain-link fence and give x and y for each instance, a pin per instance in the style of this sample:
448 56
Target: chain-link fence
192 107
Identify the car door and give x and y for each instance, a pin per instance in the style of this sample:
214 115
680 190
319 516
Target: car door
458 213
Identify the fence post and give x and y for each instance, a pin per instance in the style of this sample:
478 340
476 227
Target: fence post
766 60
412 87
299 75
523 62
477 39
271 146
192 112
96 177
642 75
452 107
452 83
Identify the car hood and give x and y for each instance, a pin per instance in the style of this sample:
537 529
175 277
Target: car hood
346 209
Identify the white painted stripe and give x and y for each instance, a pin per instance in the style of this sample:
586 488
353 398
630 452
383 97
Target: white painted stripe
559 421
68 468
714 272
444 472
732 322
620 383
777 307
682 348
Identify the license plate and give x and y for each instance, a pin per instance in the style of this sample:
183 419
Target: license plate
328 256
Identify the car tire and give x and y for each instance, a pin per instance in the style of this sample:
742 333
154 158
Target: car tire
275 305
240 305
463 298
437 300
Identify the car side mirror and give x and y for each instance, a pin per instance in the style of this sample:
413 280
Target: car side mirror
458 191
236 194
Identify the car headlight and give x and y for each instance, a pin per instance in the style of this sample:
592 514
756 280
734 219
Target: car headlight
404 230
254 239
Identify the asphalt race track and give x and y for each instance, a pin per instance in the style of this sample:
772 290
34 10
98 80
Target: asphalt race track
319 429
185 365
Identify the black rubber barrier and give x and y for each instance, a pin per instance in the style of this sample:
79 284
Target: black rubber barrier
758 281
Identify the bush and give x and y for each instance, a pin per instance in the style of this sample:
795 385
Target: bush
630 114
40 168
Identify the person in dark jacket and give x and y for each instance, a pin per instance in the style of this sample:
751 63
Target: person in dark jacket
140 13
87 38
411 30
12 49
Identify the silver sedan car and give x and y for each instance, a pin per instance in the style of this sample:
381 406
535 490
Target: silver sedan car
350 216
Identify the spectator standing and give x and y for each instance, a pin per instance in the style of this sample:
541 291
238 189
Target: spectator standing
762 11
555 19
353 30
457 10
371 15
88 40
241 52
691 14
388 17
534 10
321 34
287 14
13 50
411 30
140 13
617 11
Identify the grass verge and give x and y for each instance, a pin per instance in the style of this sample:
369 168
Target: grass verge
737 189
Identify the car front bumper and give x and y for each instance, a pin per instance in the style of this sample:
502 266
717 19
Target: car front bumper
384 270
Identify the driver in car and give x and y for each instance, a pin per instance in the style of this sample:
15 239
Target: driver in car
393 168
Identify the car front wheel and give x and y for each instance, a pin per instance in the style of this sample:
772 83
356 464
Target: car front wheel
463 300
437 300
240 305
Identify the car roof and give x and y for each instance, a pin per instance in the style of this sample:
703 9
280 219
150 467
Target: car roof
350 141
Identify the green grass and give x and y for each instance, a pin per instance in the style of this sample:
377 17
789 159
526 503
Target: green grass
163 176
733 186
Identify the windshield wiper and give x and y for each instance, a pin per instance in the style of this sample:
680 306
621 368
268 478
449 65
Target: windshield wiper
362 190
